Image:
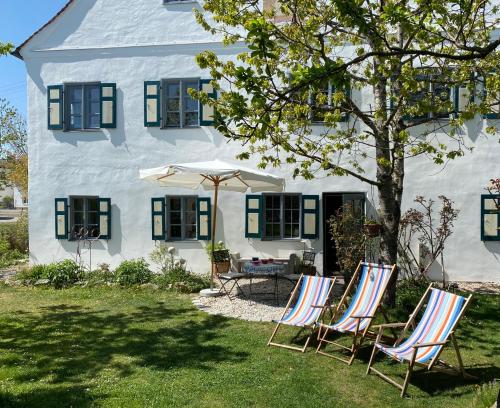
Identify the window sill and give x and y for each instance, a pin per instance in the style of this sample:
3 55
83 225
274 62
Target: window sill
282 239
180 128
83 130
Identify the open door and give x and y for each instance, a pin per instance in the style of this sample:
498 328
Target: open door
332 202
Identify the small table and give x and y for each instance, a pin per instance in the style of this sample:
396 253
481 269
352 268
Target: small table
265 270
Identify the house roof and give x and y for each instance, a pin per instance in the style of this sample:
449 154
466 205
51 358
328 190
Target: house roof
17 52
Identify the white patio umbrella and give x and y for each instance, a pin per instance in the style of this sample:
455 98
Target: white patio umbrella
214 175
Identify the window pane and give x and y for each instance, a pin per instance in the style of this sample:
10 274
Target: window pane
288 216
295 216
191 232
190 217
175 204
92 204
93 231
191 204
295 231
75 94
93 92
173 119
175 217
76 122
277 202
269 201
175 231
288 230
269 228
78 218
173 104
295 201
276 230
191 119
92 218
77 204
173 89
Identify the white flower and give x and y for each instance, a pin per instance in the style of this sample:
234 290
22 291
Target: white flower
171 250
220 243
182 261
177 263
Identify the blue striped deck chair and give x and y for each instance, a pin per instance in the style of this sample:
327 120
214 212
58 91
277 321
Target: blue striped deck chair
358 316
313 297
424 345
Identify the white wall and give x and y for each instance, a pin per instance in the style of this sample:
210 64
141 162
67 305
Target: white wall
98 40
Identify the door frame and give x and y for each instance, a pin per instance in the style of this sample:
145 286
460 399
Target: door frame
323 214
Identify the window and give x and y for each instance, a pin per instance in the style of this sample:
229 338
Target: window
84 217
432 92
83 106
181 217
325 99
281 216
181 110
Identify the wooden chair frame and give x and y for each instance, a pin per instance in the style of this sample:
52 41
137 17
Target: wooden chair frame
311 327
357 336
433 364
224 255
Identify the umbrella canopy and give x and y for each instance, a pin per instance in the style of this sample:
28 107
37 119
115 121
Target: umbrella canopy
232 177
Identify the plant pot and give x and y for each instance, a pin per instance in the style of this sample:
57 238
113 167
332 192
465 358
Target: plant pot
372 230
221 267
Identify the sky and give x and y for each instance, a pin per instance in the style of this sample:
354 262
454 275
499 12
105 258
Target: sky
18 20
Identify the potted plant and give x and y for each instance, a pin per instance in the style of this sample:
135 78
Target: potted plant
218 266
372 228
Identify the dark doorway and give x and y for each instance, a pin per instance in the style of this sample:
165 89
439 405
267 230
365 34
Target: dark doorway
331 204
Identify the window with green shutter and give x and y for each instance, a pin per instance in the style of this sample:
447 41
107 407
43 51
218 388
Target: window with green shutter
490 217
253 216
310 216
204 218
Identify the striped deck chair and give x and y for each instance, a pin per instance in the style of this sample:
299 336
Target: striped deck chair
312 299
358 317
424 345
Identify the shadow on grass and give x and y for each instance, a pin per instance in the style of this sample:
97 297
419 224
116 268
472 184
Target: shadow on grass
72 344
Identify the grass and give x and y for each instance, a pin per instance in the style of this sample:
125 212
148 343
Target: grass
139 348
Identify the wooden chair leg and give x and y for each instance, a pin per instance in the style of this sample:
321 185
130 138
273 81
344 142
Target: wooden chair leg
372 358
321 339
274 334
459 357
408 373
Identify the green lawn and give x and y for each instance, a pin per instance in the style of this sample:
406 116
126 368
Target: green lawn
137 348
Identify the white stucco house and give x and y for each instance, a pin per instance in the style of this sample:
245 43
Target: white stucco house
107 96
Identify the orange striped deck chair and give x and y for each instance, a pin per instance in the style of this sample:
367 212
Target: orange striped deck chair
358 317
424 345
312 299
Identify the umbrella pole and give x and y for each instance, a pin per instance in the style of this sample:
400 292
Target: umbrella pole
214 226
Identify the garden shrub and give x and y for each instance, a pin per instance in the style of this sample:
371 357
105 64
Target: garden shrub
133 272
8 256
31 275
99 276
408 294
64 273
180 280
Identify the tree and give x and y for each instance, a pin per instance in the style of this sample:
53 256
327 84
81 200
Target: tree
13 148
310 60
5 48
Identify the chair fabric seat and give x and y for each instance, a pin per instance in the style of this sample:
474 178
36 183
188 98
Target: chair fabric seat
440 316
366 300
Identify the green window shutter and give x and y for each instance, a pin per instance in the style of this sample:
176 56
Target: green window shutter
108 106
204 218
490 217
158 219
310 216
152 104
61 218
55 107
104 218
253 216
207 112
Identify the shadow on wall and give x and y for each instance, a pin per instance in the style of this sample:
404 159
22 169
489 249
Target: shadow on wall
494 248
115 243
117 136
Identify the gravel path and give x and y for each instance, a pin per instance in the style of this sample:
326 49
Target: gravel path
263 308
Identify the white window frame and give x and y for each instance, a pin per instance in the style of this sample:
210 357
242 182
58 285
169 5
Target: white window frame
183 224
282 217
181 81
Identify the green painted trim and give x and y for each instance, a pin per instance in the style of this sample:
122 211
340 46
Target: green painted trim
484 197
112 98
106 213
314 211
161 213
65 213
256 211
212 95
157 97
199 213
60 101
